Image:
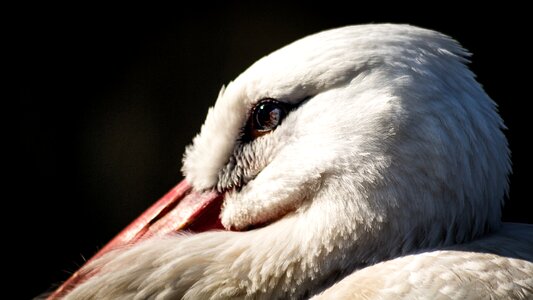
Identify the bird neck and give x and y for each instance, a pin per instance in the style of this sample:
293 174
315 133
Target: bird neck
304 252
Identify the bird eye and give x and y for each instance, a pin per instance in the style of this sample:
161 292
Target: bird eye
266 116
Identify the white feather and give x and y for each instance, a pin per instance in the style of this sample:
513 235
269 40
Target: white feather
397 150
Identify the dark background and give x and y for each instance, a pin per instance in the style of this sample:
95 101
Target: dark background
106 102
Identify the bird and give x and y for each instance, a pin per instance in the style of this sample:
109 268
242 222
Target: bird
361 162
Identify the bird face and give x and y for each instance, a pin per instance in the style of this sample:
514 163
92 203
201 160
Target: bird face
341 149
384 121
322 120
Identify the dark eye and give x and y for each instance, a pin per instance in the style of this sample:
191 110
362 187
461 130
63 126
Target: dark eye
265 117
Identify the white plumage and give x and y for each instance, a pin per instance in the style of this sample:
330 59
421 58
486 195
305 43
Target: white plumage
386 181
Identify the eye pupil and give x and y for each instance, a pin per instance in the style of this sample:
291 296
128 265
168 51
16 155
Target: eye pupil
265 116
268 116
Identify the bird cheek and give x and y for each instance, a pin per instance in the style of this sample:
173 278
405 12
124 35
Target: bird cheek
233 215
260 202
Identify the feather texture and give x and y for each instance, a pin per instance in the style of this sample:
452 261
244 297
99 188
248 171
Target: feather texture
393 170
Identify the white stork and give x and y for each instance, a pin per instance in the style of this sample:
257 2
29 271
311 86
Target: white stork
359 162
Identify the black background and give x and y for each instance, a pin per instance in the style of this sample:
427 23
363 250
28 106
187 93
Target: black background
106 102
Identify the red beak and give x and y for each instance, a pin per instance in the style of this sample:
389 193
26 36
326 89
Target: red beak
180 209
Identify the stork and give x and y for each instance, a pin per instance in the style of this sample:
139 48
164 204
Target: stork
359 162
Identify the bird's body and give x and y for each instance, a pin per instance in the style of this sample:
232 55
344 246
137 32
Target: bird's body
497 266
385 178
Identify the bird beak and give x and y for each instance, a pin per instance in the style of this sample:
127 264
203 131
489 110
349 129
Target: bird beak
181 208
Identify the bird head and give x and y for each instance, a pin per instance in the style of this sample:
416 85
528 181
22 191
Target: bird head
358 143
383 124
